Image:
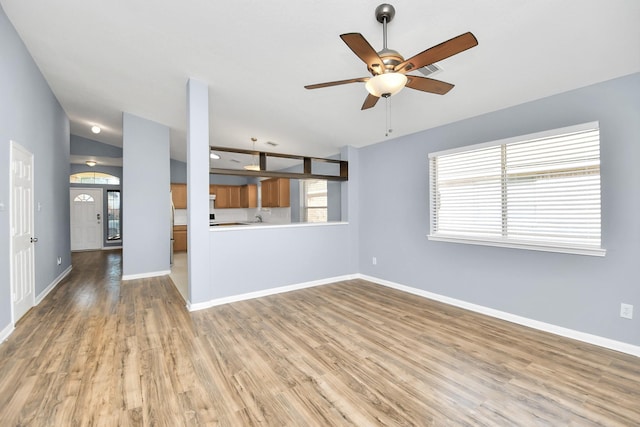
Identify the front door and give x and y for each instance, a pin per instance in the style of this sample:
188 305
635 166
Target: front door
86 218
22 238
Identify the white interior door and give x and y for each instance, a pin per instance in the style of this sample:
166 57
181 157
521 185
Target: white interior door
86 218
22 238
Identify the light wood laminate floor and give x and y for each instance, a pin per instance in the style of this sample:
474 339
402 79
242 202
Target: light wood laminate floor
98 351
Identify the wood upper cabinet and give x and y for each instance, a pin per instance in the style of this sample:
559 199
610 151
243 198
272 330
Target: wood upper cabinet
222 196
276 193
179 195
249 196
227 196
234 196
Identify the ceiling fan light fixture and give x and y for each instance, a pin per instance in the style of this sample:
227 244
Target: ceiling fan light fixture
387 84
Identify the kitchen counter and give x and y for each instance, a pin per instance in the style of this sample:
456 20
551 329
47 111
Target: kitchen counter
233 226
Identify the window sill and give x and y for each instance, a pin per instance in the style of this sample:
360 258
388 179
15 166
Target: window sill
576 250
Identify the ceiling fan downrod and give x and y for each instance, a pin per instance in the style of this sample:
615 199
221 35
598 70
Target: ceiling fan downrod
384 14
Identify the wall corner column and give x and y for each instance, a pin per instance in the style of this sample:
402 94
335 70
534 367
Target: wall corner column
198 191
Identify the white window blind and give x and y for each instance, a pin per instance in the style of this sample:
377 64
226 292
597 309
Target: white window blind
538 191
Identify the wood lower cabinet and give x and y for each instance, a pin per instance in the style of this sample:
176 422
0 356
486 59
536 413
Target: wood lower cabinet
276 193
235 196
179 195
179 238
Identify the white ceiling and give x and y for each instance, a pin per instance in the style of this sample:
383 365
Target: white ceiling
105 57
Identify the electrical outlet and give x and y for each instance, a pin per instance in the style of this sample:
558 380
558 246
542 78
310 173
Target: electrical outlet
626 311
374 261
59 260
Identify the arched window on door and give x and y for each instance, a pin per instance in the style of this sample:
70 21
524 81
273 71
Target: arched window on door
83 198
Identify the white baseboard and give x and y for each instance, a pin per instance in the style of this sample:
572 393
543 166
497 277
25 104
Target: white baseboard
53 284
266 292
4 334
535 324
146 275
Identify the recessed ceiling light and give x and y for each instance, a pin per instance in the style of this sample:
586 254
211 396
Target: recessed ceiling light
95 129
214 156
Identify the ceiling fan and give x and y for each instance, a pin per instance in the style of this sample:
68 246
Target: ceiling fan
389 69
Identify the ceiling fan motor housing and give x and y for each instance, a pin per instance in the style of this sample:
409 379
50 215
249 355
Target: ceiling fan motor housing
390 58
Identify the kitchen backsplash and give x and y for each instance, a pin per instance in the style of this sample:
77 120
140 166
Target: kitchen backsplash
180 217
276 215
272 215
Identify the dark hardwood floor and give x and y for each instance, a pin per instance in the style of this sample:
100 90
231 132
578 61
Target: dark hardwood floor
101 352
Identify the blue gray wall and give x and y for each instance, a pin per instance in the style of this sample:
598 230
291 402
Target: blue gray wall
582 293
145 197
31 116
245 261
81 146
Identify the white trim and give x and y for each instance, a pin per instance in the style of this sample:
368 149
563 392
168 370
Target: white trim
531 323
146 275
53 284
536 135
266 292
4 334
576 250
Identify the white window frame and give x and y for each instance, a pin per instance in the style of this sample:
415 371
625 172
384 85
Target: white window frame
505 241
305 200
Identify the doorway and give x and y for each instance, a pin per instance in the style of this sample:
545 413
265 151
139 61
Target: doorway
22 232
86 218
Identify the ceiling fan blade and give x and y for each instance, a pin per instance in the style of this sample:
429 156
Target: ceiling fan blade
336 83
438 53
426 84
361 47
369 102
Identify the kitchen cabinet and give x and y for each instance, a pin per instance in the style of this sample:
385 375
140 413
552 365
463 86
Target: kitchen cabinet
227 196
179 238
249 196
222 196
234 196
179 195
276 193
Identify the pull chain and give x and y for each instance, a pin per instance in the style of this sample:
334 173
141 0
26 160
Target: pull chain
388 129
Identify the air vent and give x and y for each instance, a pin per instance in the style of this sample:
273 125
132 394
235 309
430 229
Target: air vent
271 143
430 70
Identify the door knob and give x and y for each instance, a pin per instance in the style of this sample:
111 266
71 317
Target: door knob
34 239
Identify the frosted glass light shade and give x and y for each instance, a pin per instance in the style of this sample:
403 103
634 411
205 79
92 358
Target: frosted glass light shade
387 84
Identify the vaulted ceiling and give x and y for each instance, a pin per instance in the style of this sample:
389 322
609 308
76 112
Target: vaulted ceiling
105 57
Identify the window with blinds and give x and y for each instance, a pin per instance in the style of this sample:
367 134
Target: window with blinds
539 191
314 200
